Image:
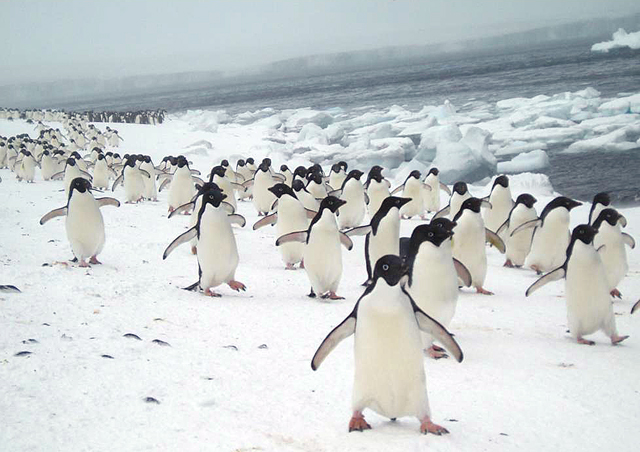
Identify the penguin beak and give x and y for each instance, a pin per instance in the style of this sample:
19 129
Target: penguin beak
622 221
340 203
403 201
574 204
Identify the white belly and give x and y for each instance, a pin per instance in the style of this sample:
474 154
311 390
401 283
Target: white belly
182 188
468 246
614 254
378 192
291 218
550 242
85 226
352 213
323 256
217 249
519 245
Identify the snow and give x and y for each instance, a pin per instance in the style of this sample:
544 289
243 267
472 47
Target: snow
620 39
237 374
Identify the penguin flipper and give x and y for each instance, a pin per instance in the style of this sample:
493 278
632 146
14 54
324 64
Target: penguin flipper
342 331
495 240
335 193
442 213
117 182
228 207
145 173
182 238
8 288
108 202
463 272
346 241
397 190
529 224
194 171
183 208
427 187
358 230
366 198
486 204
628 240
269 219
86 175
237 219
311 214
196 179
248 183
432 327
503 227
274 205
239 177
62 211
445 188
58 176
554 275
299 236
635 307
279 177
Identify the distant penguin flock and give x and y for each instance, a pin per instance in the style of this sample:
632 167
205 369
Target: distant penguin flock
412 284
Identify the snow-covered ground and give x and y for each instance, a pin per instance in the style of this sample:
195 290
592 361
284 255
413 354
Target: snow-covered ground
619 40
236 375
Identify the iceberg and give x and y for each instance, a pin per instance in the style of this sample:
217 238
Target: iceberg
620 39
529 161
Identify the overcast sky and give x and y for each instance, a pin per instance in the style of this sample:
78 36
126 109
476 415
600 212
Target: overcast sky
46 40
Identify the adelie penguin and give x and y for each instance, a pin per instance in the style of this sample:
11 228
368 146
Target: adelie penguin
389 369
352 191
322 254
84 223
501 204
431 197
337 175
589 306
600 201
307 199
518 245
412 189
262 198
611 243
459 195
132 178
377 189
217 250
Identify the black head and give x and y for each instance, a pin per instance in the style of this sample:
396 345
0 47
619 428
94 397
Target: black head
300 171
207 186
240 163
213 197
429 233
502 180
355 174
391 268
146 159
45 153
444 223
316 168
391 202
375 173
264 166
460 188
434 171
297 185
79 184
96 150
71 161
100 157
224 163
602 198
75 155
332 203
472 204
266 160
314 177
116 156
284 168
218 171
182 162
526 199
560 201
608 215
336 168
415 174
282 189
250 161
131 161
343 165
584 233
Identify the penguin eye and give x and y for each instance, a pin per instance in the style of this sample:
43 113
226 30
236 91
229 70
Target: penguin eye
580 231
430 234
385 267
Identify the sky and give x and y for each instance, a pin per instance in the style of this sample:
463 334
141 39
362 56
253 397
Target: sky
45 40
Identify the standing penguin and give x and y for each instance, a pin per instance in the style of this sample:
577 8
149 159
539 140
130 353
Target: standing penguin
589 307
70 173
101 172
337 175
352 191
315 184
610 241
413 189
322 254
433 278
150 191
217 249
469 244
28 167
306 198
290 216
48 166
132 179
262 198
600 201
377 189
518 245
182 187
389 373
551 235
432 197
501 204
219 177
84 222
460 194
382 234
288 175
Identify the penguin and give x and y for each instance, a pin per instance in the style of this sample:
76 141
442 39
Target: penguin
377 189
219 177
600 201
307 199
518 245
389 373
352 191
300 173
460 194
322 254
431 197
133 180
551 235
412 188
611 242
84 222
316 185
501 204
48 166
150 191
101 172
433 277
290 216
337 175
469 244
288 175
382 234
217 249
182 188
70 173
262 198
28 167
589 307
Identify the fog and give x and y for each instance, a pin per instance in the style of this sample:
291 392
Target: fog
49 40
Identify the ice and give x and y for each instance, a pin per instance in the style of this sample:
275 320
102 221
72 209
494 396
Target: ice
303 117
620 39
459 162
313 133
533 183
418 128
529 161
430 139
622 139
518 147
382 130
335 133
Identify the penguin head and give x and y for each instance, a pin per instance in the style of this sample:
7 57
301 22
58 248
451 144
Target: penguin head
389 203
297 185
563 201
76 156
415 174
444 223
45 152
602 198
375 173
224 163
96 149
79 184
435 171
314 176
610 216
472 204
354 174
213 197
240 163
502 180
460 188
207 186
526 199
264 167
181 161
250 161
284 168
71 161
391 268
429 233
343 165
300 171
332 203
335 168
217 171
147 158
100 157
316 168
282 189
130 161
266 161
585 233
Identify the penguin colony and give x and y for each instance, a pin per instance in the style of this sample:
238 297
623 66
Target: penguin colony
130 117
413 282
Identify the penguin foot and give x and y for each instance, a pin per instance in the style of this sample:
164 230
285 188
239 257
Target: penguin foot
194 250
615 340
357 423
483 291
367 283
615 293
237 286
508 264
84 264
536 269
332 296
211 293
302 263
94 260
585 341
290 267
429 427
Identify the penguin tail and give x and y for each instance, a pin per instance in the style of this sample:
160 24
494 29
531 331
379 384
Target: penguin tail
193 287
